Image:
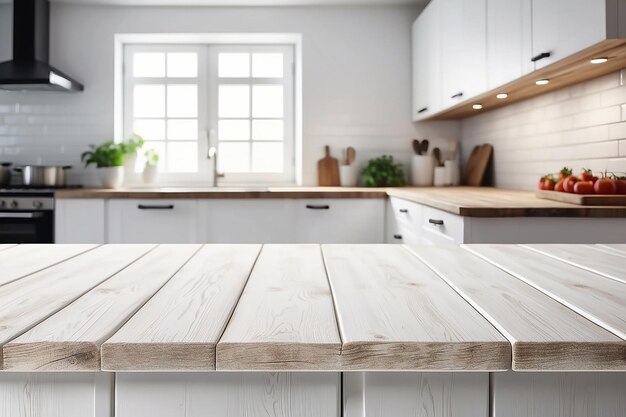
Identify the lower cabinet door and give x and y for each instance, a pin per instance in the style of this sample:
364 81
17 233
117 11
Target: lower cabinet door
152 221
339 221
79 221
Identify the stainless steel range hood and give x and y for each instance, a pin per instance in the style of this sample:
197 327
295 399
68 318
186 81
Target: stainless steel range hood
29 70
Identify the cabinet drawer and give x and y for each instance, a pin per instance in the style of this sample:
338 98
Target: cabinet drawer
437 223
406 213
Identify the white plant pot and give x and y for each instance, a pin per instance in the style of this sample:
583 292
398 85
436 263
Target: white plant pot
422 167
348 175
111 177
150 174
130 176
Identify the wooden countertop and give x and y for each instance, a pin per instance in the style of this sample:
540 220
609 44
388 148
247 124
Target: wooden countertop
463 201
312 307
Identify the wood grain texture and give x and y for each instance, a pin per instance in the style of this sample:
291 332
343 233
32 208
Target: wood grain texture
23 260
285 318
180 326
228 394
587 257
29 301
583 199
328 169
71 339
57 394
568 71
593 296
544 334
395 313
517 394
225 193
476 168
497 202
411 394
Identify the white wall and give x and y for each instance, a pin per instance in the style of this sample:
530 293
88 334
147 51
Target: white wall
356 72
580 126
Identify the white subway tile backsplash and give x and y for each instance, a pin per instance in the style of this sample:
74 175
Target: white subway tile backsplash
579 126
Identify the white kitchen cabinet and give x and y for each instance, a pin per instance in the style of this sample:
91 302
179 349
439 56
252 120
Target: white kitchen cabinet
79 221
246 221
509 41
339 221
464 50
152 221
427 61
563 27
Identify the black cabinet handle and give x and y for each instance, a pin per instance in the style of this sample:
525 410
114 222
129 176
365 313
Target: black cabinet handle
422 110
155 207
404 210
397 237
317 207
457 95
540 56
437 222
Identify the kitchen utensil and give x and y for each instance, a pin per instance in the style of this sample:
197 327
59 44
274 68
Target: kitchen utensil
328 170
474 173
350 155
5 174
454 149
422 170
417 147
43 175
437 156
424 147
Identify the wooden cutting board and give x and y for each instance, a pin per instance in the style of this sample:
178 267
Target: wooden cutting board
328 170
583 199
474 173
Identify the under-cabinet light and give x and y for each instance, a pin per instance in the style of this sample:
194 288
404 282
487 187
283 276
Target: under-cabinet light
599 60
502 96
477 106
542 82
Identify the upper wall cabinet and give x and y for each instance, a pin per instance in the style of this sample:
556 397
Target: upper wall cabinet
468 51
509 43
563 27
427 62
464 47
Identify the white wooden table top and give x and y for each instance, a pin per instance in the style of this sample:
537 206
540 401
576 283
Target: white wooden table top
312 307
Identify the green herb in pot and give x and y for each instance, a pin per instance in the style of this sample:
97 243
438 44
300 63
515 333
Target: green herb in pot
383 172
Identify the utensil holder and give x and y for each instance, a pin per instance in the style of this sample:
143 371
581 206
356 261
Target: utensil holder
348 175
440 176
453 173
422 170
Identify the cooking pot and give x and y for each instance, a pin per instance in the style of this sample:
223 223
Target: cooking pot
5 174
43 175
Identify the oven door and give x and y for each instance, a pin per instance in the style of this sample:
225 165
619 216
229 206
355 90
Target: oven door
27 226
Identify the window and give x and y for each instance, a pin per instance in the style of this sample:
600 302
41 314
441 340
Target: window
184 99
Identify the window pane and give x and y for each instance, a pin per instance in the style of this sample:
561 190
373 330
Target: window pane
149 101
182 100
159 147
182 156
267 130
182 64
149 64
234 157
234 130
234 101
267 65
267 157
150 129
267 101
234 65
182 129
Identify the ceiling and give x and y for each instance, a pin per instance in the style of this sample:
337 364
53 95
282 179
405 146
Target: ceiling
241 2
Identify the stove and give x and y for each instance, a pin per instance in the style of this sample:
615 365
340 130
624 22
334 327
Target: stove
27 214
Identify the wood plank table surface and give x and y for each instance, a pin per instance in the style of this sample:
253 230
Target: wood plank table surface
312 307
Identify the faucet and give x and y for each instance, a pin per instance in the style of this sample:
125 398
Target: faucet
213 155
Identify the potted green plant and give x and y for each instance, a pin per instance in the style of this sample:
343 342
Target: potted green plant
151 169
109 161
383 172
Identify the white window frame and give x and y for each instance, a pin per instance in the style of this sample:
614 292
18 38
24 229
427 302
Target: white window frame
203 173
288 175
293 41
